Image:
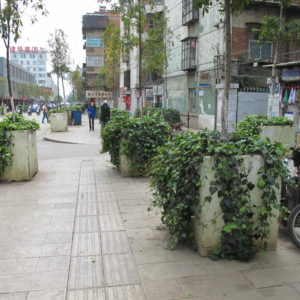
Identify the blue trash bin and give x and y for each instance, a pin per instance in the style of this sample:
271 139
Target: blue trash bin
76 116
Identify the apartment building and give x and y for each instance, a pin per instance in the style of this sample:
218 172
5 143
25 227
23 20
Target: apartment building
195 75
33 59
93 27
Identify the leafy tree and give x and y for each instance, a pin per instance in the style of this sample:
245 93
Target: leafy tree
76 81
228 7
152 52
59 55
11 15
112 53
277 30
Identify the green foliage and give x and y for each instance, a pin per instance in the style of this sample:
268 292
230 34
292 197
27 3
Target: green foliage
140 139
75 108
20 123
251 125
170 115
77 82
112 135
1 110
58 110
5 150
176 181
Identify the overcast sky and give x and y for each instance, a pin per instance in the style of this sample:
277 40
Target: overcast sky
63 14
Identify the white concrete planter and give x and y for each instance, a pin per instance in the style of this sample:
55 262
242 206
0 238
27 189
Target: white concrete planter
208 232
283 134
59 122
25 160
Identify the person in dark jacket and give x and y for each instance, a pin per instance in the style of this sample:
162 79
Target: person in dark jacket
105 114
92 114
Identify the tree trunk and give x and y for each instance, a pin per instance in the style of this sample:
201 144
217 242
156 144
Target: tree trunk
12 104
57 79
224 110
140 102
275 62
63 86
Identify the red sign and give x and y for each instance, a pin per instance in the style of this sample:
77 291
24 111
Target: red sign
25 49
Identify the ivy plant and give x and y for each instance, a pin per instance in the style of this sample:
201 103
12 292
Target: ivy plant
20 123
5 150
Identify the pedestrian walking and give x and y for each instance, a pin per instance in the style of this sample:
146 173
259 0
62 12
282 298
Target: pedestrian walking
105 114
92 114
45 112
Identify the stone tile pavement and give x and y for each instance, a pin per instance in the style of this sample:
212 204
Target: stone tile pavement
79 231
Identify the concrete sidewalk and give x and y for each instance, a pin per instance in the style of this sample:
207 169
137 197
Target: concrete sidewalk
81 231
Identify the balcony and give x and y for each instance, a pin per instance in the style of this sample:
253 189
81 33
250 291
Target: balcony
188 55
189 13
94 22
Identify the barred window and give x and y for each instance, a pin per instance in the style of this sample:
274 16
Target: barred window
257 51
94 41
95 61
189 13
188 61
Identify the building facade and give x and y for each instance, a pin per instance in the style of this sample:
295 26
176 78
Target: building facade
195 75
21 81
93 26
33 59
150 91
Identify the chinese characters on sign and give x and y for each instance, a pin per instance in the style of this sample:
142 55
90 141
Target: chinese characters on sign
25 49
99 94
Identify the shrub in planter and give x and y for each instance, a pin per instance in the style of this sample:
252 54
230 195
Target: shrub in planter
140 139
18 149
176 180
112 135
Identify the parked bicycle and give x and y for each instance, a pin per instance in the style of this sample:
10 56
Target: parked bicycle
290 198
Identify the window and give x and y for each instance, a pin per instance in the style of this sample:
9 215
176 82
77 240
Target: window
189 13
27 62
23 55
42 81
257 51
94 61
41 69
21 62
34 62
188 59
94 41
15 55
32 55
41 57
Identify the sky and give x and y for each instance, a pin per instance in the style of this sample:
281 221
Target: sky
63 14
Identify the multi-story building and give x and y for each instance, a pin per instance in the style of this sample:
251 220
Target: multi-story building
149 91
21 81
195 74
33 59
93 26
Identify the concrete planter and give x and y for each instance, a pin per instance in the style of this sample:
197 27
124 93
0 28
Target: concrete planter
283 134
3 110
25 160
208 233
127 168
69 117
59 122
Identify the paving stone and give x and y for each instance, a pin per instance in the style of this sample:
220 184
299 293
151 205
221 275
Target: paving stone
106 197
18 266
86 244
41 251
130 292
274 293
47 295
58 238
108 208
13 296
5 252
274 276
57 263
48 228
87 224
87 193
162 289
33 281
215 285
171 270
114 242
88 294
87 209
152 222
120 269
85 272
132 208
104 187
111 223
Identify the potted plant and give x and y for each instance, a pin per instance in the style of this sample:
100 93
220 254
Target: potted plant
18 149
58 120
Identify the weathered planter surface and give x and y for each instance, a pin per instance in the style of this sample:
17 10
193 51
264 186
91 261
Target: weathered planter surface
283 134
127 168
25 160
69 112
208 232
59 122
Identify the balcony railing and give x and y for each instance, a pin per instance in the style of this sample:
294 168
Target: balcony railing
188 56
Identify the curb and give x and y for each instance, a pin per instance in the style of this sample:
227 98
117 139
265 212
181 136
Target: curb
59 141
